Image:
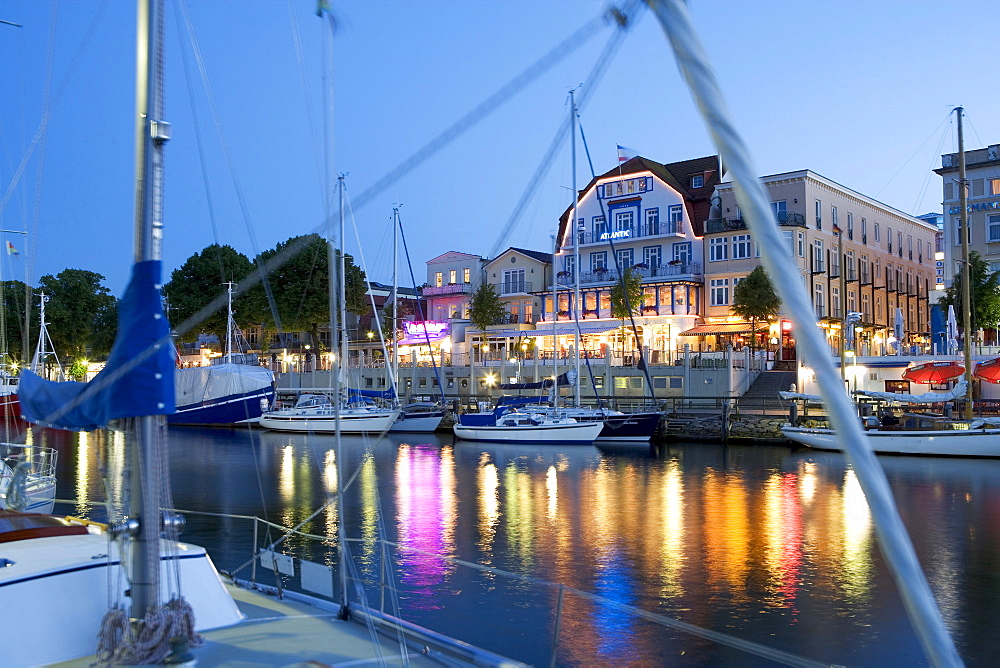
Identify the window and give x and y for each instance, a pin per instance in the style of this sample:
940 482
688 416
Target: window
439 279
899 243
600 227
888 239
624 220
660 382
864 231
453 276
698 181
818 256
513 280
850 227
466 275
877 239
780 209
802 244
994 186
651 256
626 258
866 307
834 263
957 222
977 187
849 266
789 238
628 382
682 253
598 260
652 221
992 228
819 215
949 190
676 214
569 265
677 382
835 301
741 246
852 300
719 291
819 302
909 245
718 248
834 221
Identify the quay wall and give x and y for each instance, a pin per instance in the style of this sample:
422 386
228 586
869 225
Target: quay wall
730 428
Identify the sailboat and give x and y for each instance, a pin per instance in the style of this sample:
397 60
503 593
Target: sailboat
342 411
922 434
233 389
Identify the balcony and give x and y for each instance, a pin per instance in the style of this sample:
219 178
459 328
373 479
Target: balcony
450 289
679 270
515 287
785 219
640 231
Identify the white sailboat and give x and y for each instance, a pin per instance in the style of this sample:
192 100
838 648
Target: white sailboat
530 427
918 434
341 411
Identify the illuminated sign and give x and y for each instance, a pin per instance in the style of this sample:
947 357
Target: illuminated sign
984 206
429 329
623 187
620 234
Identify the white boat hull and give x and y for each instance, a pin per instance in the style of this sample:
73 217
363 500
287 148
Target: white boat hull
944 443
326 421
417 423
58 589
580 432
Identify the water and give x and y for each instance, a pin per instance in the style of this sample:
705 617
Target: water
762 543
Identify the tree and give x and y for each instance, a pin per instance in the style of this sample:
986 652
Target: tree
12 334
627 298
200 280
755 300
79 313
985 295
300 287
486 307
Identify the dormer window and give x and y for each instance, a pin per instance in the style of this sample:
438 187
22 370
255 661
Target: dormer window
698 181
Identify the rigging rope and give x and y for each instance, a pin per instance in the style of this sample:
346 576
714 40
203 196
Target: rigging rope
895 543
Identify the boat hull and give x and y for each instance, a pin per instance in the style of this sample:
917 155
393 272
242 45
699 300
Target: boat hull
362 422
628 427
939 443
78 572
580 433
232 409
421 423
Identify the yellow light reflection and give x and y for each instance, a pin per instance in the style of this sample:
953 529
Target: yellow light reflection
488 484
286 474
808 480
672 533
856 563
368 479
552 488
727 544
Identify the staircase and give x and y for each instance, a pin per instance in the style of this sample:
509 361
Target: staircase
764 391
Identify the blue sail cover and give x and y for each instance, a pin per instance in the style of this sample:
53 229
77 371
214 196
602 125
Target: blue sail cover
372 394
137 380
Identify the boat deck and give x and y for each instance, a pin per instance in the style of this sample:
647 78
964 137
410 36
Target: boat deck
282 632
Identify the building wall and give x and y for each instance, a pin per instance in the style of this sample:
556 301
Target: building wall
518 278
869 273
983 175
451 280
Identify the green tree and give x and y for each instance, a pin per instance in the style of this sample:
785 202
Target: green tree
755 300
300 287
12 335
985 295
627 298
486 307
79 307
199 280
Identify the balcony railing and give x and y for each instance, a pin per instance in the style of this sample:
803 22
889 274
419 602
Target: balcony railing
715 225
641 230
665 270
450 289
515 287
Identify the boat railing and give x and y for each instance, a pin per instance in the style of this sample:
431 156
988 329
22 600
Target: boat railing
295 563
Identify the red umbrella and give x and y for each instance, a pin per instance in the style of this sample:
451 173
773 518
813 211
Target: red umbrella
933 372
989 371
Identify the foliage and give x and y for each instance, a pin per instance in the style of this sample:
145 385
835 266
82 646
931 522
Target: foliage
200 280
486 307
755 300
404 310
80 313
12 333
77 370
985 295
627 296
300 287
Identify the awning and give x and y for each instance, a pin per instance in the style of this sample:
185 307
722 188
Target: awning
720 328
565 328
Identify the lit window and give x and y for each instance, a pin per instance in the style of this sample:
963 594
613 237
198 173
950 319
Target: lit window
719 291
439 279
466 275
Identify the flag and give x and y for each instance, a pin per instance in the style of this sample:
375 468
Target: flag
836 230
625 153
322 6
10 249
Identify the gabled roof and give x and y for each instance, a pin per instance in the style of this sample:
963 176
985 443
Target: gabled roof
452 256
678 176
544 258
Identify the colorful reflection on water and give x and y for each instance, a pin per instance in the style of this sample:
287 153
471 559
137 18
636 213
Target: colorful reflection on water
766 544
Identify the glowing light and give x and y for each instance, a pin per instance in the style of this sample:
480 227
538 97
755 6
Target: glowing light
552 490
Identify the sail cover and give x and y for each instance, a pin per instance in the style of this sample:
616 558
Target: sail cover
137 380
564 380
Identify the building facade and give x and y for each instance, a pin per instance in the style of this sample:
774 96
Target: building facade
451 280
982 172
854 253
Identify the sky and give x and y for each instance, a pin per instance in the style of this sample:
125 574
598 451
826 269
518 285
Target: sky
859 92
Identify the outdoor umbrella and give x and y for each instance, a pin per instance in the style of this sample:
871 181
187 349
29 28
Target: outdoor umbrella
952 330
933 372
897 330
988 371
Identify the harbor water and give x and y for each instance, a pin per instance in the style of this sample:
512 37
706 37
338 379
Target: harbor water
762 543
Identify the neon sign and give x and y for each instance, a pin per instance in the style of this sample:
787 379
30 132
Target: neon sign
620 234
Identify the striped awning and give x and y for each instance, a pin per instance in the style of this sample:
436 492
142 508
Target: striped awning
719 328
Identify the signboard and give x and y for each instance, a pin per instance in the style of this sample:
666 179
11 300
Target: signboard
417 333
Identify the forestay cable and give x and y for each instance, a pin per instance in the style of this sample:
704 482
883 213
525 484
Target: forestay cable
893 539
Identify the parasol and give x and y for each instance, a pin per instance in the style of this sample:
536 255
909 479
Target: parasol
933 372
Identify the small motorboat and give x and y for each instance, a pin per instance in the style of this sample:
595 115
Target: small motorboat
526 427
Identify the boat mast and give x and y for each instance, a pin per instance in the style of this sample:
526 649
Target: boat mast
229 323
963 204
151 134
395 298
576 252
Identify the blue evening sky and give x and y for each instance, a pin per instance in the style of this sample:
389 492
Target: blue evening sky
859 92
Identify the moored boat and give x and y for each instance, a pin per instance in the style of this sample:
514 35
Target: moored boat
317 413
528 427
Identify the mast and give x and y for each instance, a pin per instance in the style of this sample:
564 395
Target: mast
576 252
151 134
963 204
229 323
555 319
395 298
